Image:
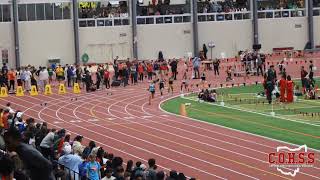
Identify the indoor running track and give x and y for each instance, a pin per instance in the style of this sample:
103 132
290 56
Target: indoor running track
124 124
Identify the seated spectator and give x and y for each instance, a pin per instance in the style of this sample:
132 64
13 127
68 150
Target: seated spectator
108 173
89 148
11 111
69 160
173 175
297 91
119 173
160 175
151 172
36 165
76 145
6 168
129 168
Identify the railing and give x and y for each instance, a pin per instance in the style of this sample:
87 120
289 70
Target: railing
238 15
115 21
164 19
281 13
64 173
316 11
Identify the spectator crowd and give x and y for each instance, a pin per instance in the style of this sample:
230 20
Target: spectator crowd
31 150
102 10
211 6
162 8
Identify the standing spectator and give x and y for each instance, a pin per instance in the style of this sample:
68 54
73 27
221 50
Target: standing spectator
3 80
196 65
311 66
216 64
283 84
303 74
156 68
11 77
18 77
60 73
27 79
98 78
140 71
34 81
259 65
41 134
69 75
93 168
174 68
59 142
106 77
47 143
43 78
79 73
205 51
150 71
50 74
83 168
271 77
116 68
4 69
133 72
74 75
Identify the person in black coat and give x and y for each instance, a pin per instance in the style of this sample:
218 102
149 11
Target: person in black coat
88 81
174 67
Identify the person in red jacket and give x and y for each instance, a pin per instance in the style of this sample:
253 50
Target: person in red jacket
289 88
140 71
283 84
150 71
106 77
5 119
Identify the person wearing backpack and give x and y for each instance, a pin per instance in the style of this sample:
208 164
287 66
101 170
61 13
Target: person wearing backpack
87 151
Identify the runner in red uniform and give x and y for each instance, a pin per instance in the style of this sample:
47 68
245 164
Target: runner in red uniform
290 86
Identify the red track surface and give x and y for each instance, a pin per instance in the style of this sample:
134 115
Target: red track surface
127 126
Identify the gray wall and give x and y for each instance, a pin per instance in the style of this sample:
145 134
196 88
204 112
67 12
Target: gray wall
228 36
174 40
103 44
316 26
283 32
41 40
7 41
